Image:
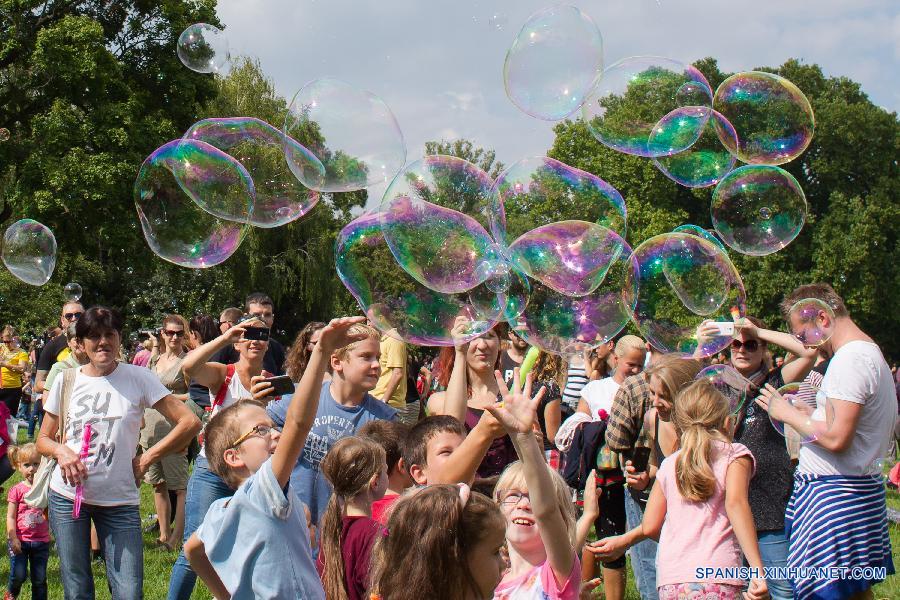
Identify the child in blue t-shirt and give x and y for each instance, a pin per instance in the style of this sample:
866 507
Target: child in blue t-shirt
256 543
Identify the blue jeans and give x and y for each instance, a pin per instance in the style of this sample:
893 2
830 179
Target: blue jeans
36 553
643 555
119 530
37 416
204 488
773 548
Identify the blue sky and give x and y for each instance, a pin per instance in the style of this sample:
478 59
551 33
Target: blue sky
438 63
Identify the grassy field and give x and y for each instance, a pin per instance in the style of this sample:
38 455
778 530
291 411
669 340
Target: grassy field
158 563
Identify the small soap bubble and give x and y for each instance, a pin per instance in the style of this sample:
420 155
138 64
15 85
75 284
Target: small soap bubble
203 48
726 379
811 321
29 251
802 396
72 292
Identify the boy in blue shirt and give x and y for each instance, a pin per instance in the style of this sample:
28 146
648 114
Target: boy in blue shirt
256 543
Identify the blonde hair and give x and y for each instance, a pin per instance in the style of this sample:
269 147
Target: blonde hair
18 455
629 342
675 372
370 332
513 477
700 416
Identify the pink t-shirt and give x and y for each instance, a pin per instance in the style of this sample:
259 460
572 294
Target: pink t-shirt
697 534
31 523
540 584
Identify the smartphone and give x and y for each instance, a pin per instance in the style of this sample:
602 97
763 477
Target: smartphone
639 459
282 384
724 327
257 333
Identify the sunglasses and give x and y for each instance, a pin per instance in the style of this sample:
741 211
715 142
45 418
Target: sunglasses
173 333
72 316
6 341
260 430
749 345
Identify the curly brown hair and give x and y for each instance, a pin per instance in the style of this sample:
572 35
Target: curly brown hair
298 355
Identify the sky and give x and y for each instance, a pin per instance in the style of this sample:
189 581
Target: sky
438 64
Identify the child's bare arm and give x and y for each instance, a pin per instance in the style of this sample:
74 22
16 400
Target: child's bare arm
737 506
195 552
453 401
11 509
591 511
461 465
305 402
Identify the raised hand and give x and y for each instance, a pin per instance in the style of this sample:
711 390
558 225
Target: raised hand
461 327
518 410
336 334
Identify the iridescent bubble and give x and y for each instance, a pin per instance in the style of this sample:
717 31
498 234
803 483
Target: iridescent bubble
395 302
726 379
802 396
705 161
811 321
350 131
175 192
29 251
4 134
553 63
261 149
495 274
569 257
634 94
72 292
773 120
567 325
682 281
699 232
203 48
539 191
434 218
758 210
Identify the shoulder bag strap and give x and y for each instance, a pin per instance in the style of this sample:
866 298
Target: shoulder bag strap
220 395
68 384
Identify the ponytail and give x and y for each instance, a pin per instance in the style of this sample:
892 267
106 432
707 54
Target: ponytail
700 415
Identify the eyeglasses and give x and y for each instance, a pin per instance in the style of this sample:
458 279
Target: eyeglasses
260 430
173 333
749 345
72 316
512 497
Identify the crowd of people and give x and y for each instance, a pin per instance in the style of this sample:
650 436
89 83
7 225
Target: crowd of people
350 466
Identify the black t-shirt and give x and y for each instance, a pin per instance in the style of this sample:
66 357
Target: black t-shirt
273 361
50 351
507 364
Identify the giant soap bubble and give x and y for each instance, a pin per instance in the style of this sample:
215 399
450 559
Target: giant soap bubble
203 48
773 120
811 321
553 63
261 149
699 232
178 227
29 251
350 131
735 387
802 396
705 161
566 325
681 281
544 188
395 302
758 210
634 94
434 220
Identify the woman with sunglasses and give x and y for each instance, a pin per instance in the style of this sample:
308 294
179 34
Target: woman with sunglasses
771 489
227 384
13 364
171 473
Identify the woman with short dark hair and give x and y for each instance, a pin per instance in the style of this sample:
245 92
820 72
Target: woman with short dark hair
111 397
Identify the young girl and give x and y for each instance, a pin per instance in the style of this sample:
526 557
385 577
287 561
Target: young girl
27 529
445 543
537 504
701 493
356 469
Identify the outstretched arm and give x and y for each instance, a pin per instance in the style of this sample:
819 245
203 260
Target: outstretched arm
195 552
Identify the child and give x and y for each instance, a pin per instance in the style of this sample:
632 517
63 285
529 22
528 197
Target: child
391 436
356 469
537 504
255 544
27 529
444 543
701 493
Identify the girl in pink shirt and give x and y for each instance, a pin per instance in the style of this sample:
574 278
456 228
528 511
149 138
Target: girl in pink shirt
27 529
698 508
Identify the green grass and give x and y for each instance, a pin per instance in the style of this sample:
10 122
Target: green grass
158 562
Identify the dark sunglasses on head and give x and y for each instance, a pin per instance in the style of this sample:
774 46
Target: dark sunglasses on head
72 316
749 345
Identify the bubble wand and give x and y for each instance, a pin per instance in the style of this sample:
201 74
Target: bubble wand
85 451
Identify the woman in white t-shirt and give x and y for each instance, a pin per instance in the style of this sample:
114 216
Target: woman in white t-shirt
227 384
111 398
628 360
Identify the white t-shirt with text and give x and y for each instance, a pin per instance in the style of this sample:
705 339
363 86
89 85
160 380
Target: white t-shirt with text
857 373
114 406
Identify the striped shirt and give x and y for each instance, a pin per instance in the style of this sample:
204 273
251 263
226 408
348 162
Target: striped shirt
575 380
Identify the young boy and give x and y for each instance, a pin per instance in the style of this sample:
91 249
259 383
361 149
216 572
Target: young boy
390 435
256 543
344 406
